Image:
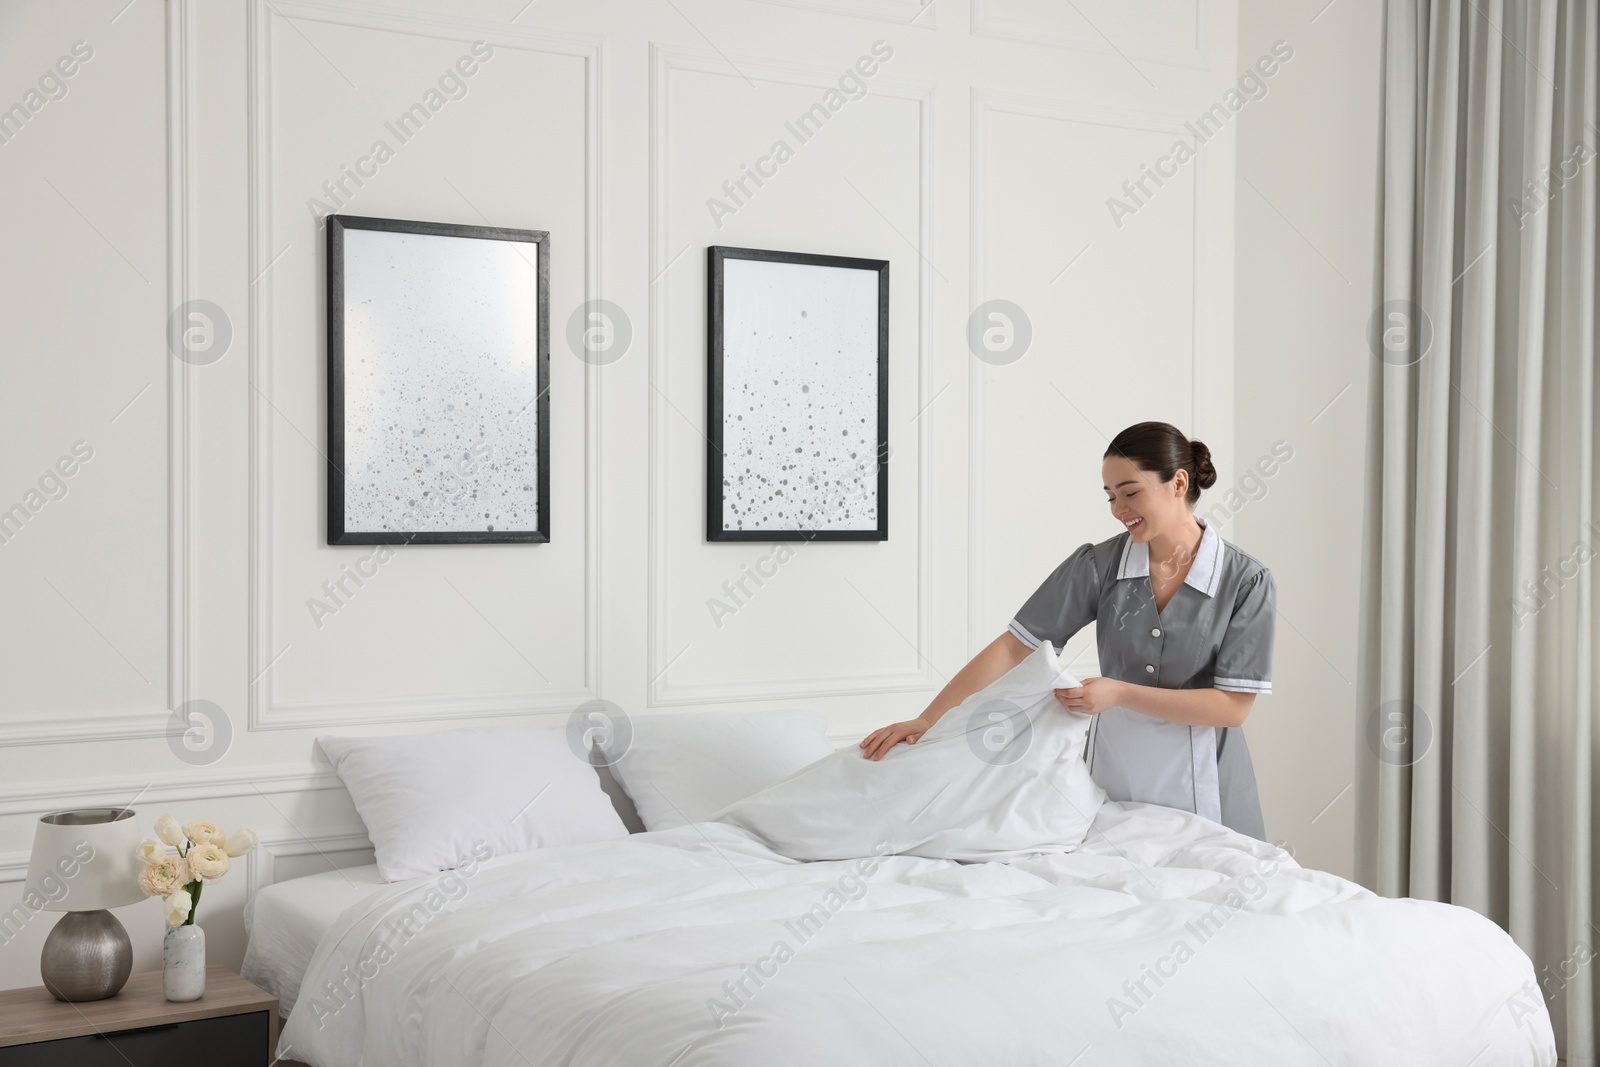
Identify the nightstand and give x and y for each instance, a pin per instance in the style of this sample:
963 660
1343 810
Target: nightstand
234 1023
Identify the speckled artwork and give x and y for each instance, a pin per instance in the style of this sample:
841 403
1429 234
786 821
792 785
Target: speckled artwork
441 375
800 397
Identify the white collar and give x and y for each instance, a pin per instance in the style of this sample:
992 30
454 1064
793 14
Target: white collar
1204 572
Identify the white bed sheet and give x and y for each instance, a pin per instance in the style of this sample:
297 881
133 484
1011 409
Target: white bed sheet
663 949
285 922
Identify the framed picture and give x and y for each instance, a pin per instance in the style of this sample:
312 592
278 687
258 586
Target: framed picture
438 383
797 397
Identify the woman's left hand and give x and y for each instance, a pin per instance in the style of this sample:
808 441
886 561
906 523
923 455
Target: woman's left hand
1092 697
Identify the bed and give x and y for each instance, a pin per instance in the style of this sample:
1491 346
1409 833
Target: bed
769 932
698 946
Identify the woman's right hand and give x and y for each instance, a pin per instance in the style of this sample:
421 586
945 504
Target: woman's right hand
881 740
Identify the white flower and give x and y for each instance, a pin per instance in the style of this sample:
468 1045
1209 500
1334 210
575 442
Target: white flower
162 878
240 842
169 831
208 862
152 851
177 907
204 833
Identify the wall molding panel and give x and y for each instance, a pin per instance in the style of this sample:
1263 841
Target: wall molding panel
120 724
130 790
260 864
662 655
266 712
263 862
922 13
987 21
1207 357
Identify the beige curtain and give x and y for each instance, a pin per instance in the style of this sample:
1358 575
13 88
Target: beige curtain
1480 664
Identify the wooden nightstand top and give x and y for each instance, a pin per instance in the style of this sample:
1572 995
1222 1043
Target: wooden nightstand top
32 1015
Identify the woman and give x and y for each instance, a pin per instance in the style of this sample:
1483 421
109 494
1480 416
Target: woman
1185 625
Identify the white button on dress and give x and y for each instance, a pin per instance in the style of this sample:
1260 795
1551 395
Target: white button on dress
1149 668
1156 632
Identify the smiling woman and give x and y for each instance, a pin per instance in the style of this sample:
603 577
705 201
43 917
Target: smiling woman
1184 624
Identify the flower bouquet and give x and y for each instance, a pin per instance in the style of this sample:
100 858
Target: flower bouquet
204 855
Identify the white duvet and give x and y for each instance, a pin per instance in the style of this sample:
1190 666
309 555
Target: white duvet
1164 939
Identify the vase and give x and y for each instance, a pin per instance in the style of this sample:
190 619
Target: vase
183 963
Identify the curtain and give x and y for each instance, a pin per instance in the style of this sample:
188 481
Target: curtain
1479 676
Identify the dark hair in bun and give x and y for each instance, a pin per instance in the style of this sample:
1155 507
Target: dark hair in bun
1202 473
1162 448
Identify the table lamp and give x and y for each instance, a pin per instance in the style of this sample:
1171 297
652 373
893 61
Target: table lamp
84 862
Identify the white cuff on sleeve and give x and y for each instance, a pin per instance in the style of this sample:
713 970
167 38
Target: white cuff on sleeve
1242 685
1021 634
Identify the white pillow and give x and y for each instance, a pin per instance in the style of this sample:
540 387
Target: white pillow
998 777
679 769
429 799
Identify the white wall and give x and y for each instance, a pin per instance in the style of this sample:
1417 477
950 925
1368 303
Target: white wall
178 166
1307 204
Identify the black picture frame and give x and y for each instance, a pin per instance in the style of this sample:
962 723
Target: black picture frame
338 531
717 258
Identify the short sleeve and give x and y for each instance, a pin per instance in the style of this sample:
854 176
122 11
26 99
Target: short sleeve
1067 602
1244 661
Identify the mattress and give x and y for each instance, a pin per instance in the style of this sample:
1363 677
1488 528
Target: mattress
286 921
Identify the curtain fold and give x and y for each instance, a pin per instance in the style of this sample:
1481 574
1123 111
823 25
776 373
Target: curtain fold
1486 538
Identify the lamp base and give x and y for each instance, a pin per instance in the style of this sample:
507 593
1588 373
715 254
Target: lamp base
87 956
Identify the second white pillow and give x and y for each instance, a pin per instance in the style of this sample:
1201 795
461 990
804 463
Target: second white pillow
681 768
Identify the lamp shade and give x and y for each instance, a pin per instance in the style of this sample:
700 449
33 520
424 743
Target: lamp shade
84 860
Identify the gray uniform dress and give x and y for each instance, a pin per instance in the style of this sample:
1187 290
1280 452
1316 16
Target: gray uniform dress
1215 632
